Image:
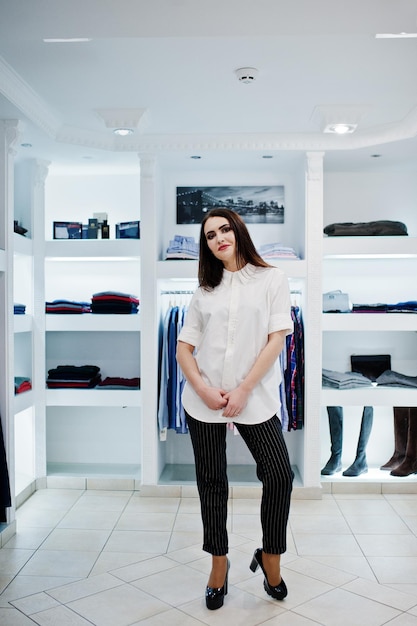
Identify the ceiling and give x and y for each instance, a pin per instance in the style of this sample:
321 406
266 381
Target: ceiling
166 69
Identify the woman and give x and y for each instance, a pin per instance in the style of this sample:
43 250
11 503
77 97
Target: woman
233 333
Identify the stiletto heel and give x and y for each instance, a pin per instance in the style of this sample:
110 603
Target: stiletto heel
215 596
280 591
254 565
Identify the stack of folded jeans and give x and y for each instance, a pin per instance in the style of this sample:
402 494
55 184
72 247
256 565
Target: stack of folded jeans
396 379
67 307
344 380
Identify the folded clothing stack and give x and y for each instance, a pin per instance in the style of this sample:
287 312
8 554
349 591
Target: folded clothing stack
67 307
344 380
377 228
116 382
73 376
19 309
21 384
389 378
409 306
277 251
182 248
114 302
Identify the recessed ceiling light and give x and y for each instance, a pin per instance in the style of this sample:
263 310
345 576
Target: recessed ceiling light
395 35
26 145
195 156
123 132
66 40
340 129
267 156
87 157
376 156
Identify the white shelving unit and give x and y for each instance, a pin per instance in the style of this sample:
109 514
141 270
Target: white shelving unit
170 461
371 270
114 433
93 432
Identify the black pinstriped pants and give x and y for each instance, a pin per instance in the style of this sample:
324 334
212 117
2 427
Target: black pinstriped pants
267 446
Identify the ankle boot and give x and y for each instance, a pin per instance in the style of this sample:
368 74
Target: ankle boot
409 465
359 466
334 464
400 438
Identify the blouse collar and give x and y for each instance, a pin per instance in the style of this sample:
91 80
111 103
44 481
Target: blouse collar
244 275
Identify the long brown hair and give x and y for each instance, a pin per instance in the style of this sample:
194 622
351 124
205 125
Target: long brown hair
210 269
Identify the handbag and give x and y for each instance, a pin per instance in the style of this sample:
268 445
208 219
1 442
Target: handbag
370 365
336 302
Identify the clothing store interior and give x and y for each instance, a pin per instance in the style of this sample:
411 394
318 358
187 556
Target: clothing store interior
122 124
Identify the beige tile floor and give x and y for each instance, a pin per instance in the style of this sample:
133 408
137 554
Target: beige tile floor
114 558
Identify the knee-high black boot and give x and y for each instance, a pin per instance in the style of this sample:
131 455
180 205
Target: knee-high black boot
409 465
359 465
334 464
400 438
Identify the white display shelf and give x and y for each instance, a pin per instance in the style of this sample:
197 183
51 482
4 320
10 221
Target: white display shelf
94 470
22 245
187 269
369 322
370 396
384 247
92 322
23 323
178 268
95 249
94 397
293 268
23 401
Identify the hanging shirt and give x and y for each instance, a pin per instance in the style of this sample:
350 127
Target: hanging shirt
229 326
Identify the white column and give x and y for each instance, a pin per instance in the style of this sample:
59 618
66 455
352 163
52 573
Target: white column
149 320
10 131
312 317
39 173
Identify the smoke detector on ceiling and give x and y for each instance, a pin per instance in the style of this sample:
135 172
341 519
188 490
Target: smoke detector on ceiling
246 74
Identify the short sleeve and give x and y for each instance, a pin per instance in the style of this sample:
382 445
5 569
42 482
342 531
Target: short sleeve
280 304
191 331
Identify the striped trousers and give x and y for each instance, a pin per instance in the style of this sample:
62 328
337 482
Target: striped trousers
267 446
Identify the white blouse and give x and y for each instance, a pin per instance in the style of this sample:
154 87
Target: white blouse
229 326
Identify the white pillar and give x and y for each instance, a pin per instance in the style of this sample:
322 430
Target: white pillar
10 132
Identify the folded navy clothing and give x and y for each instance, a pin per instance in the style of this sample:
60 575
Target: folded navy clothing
67 307
112 307
410 306
73 372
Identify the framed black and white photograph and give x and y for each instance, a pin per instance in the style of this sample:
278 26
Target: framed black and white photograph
255 204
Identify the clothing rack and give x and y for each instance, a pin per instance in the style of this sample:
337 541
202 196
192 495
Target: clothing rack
295 292
177 292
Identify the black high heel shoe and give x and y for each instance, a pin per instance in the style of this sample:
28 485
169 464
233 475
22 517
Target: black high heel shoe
280 591
215 596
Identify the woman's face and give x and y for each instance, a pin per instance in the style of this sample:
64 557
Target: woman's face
221 241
